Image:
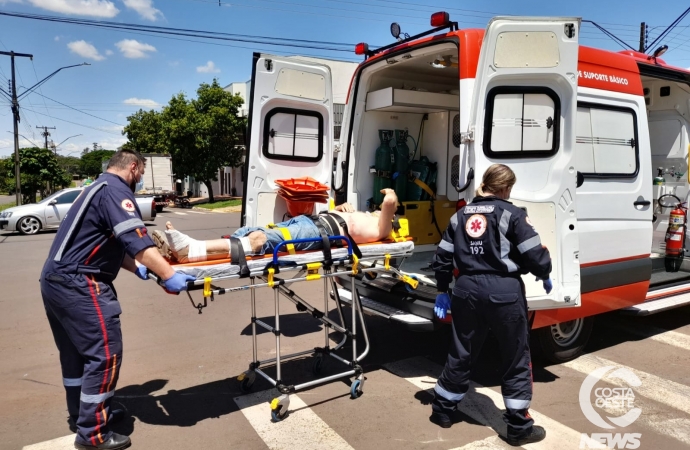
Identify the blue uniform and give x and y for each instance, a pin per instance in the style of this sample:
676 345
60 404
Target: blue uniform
492 243
103 225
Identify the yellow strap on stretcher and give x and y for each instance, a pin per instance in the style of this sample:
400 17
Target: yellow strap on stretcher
207 287
286 236
313 271
387 262
355 264
402 233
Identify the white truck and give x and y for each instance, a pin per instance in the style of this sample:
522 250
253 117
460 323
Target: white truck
584 130
158 179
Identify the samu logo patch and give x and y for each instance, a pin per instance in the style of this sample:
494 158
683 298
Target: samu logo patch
127 205
475 226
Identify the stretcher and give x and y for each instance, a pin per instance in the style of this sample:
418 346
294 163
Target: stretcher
277 272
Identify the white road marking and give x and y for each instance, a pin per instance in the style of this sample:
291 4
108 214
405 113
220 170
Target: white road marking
486 406
490 443
302 429
180 213
672 338
196 212
63 443
654 388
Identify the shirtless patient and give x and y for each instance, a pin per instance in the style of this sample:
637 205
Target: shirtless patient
363 228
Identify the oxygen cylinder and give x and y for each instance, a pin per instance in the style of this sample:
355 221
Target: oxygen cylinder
401 157
383 165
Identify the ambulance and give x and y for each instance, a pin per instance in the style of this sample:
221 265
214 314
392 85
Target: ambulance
598 141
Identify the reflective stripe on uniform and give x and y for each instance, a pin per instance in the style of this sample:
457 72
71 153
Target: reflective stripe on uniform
447 246
96 398
127 225
505 243
454 221
448 395
87 201
513 403
529 244
70 382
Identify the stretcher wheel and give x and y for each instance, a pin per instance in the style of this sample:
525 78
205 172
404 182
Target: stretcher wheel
279 414
246 384
318 364
355 392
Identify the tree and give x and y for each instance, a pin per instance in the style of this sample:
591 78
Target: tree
91 163
202 135
38 167
70 164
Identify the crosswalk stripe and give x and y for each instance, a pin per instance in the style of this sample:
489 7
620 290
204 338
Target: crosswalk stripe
490 443
180 213
301 430
63 443
655 388
482 403
661 335
197 212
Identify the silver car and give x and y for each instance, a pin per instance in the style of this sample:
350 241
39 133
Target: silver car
48 213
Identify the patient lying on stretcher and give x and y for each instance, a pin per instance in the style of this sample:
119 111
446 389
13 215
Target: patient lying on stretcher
362 228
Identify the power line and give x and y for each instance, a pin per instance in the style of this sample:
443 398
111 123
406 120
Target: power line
41 91
78 124
78 110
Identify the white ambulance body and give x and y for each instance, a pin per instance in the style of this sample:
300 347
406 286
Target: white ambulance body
584 130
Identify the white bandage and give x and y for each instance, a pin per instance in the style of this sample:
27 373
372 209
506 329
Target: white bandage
246 246
197 251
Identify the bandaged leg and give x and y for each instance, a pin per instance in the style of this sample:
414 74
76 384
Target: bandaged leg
186 249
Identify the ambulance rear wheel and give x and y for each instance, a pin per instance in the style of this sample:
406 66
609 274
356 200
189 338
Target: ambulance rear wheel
564 341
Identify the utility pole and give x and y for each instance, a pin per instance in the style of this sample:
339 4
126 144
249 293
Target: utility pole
16 118
45 134
643 36
14 98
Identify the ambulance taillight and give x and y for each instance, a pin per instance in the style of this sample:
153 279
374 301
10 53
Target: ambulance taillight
362 48
440 19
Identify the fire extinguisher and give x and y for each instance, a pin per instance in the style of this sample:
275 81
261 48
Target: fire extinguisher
675 236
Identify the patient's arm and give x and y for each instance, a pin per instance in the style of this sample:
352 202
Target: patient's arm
388 208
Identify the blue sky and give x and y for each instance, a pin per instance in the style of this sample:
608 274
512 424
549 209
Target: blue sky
130 70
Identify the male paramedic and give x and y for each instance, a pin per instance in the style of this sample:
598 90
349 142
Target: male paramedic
101 233
359 226
492 243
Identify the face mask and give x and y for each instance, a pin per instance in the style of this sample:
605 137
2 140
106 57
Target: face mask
134 184
139 186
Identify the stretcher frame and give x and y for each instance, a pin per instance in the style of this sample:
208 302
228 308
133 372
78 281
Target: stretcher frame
328 271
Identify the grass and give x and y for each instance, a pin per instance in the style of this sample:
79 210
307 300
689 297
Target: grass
4 206
222 204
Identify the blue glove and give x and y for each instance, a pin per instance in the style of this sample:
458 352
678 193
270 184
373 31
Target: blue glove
177 282
548 285
141 272
442 305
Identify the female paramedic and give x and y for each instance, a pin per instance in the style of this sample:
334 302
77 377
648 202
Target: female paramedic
492 243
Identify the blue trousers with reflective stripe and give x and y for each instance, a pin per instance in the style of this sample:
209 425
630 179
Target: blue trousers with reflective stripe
497 303
84 315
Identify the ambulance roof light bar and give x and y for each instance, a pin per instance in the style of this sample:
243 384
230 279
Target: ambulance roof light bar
439 20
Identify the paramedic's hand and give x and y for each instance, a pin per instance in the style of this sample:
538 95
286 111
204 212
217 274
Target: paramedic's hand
141 272
345 207
442 305
548 285
177 282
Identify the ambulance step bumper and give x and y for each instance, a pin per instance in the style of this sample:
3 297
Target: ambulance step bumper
370 306
656 306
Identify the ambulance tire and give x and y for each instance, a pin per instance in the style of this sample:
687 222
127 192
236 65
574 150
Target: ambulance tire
565 341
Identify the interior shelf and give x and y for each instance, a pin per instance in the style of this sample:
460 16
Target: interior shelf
402 100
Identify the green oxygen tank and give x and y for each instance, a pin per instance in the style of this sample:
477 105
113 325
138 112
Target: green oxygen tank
383 165
401 157
659 179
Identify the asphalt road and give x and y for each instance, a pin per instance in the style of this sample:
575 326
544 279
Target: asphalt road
178 379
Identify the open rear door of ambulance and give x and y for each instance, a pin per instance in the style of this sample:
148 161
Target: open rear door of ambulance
290 132
525 117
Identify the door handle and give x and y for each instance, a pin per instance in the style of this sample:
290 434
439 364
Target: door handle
642 203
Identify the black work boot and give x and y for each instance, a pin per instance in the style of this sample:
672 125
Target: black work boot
441 419
535 434
116 442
